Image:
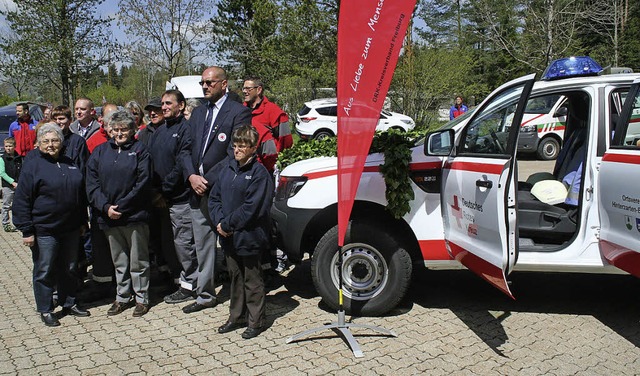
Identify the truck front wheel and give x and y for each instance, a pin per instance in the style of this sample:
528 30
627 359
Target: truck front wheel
376 271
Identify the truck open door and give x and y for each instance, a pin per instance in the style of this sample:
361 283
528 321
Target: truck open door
619 190
479 184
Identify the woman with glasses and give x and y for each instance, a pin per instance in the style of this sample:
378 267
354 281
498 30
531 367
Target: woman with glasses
49 208
118 174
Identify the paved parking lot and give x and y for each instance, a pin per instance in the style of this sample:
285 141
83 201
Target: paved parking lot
451 323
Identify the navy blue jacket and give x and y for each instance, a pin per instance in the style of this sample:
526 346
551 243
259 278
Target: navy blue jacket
231 115
73 146
120 175
50 198
168 147
240 201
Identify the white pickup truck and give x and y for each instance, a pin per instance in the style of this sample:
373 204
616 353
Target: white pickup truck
469 209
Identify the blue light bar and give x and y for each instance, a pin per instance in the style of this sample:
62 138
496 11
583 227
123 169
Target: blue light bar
571 67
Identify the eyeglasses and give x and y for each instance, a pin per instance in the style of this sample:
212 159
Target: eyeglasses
249 88
120 130
209 83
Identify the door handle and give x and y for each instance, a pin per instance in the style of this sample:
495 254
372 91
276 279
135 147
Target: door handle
484 183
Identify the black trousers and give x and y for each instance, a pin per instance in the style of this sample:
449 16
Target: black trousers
247 289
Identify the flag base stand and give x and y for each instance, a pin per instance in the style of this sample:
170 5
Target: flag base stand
342 328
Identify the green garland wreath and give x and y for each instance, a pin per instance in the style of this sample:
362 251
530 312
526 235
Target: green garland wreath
396 148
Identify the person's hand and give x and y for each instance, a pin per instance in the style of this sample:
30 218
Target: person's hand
14 185
112 213
29 241
221 231
199 184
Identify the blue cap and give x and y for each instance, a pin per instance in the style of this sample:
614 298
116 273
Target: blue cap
571 67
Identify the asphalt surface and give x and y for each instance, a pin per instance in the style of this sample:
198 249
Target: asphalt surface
451 323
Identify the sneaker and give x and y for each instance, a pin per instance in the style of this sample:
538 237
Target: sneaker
179 296
140 310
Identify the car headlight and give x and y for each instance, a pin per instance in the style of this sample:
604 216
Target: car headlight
288 186
529 128
406 121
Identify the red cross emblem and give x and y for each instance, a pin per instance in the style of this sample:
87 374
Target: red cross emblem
456 211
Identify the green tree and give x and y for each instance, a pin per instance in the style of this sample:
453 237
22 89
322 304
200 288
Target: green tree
630 44
439 74
293 40
241 29
443 21
57 40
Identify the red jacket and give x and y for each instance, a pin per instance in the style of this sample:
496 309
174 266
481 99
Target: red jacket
275 134
98 138
25 135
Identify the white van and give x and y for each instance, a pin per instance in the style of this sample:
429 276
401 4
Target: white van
189 86
469 209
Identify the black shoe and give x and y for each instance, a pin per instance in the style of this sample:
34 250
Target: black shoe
49 319
251 333
75 311
117 308
179 296
231 326
195 307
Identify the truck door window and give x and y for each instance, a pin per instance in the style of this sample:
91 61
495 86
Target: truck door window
632 136
488 133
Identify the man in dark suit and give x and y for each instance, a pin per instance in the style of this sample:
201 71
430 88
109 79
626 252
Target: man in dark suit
211 128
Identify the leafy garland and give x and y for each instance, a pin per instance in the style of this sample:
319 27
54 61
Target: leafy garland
396 148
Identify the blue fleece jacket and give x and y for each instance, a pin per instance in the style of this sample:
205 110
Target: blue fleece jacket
168 147
50 198
119 175
240 201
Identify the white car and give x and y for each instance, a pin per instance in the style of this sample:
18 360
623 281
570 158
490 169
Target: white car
318 120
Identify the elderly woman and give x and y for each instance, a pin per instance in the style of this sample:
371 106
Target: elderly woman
136 110
191 104
49 209
118 174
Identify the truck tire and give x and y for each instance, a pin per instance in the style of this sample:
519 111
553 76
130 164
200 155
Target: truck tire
376 270
548 149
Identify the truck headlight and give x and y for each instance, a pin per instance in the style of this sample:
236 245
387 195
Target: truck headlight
288 186
529 128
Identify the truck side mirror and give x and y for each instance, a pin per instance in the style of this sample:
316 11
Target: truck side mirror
439 143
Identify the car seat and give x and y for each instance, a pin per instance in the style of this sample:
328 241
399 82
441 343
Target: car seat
556 223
